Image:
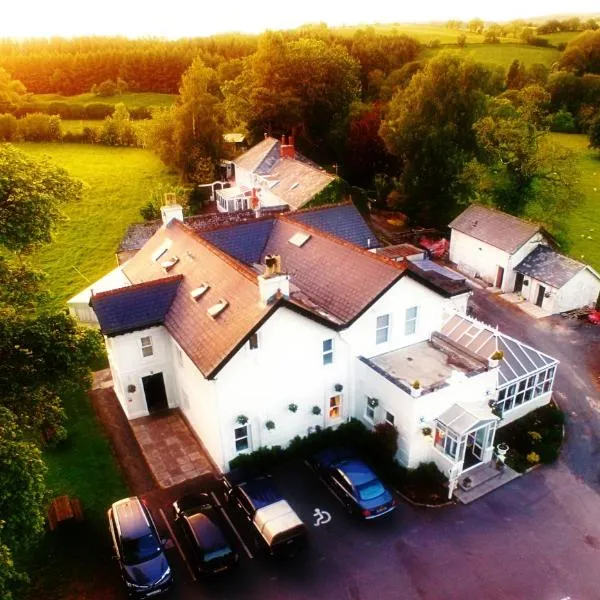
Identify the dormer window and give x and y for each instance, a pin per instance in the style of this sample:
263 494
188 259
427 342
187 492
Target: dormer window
197 293
167 265
218 308
161 250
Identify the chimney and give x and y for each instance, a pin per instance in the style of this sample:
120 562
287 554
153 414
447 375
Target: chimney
170 212
272 281
288 150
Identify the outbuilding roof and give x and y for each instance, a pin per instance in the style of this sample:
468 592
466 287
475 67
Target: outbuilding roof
135 307
494 227
550 267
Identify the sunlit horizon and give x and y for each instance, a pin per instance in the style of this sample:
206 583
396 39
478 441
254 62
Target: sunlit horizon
176 19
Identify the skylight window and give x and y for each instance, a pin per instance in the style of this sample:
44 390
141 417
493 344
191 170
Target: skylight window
161 250
167 265
299 239
218 308
294 186
199 291
272 184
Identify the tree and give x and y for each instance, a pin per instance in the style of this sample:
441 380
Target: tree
594 133
22 497
582 54
516 76
117 129
12 92
31 193
429 127
519 170
475 26
461 40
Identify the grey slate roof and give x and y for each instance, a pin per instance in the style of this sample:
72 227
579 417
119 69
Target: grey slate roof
135 307
342 220
548 266
494 227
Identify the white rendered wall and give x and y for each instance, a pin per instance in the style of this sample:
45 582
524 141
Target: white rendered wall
128 366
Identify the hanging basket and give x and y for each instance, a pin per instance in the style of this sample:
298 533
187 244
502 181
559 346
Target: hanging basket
241 419
373 402
270 425
292 407
316 410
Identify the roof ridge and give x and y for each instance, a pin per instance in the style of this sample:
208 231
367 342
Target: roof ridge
341 242
226 258
504 213
238 223
323 207
137 286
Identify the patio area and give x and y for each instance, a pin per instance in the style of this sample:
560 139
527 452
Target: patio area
171 450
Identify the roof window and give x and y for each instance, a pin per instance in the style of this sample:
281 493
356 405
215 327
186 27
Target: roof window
161 250
299 239
199 291
218 308
167 265
294 186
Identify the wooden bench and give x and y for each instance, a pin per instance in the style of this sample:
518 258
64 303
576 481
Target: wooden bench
64 509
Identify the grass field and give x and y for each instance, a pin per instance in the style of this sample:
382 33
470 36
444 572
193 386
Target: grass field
584 222
561 37
503 54
119 180
131 100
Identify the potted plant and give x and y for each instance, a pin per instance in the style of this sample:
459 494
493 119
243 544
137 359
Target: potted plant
292 407
241 419
495 358
270 425
373 402
316 410
415 388
131 388
466 483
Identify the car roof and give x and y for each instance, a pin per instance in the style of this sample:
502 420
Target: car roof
206 533
130 517
356 471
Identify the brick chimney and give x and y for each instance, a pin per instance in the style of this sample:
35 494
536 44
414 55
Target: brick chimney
287 147
272 282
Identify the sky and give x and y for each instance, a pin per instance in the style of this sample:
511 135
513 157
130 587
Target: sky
188 18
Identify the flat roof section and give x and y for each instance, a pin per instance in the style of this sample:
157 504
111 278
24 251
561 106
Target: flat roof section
424 362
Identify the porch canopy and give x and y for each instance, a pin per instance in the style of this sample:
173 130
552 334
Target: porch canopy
462 421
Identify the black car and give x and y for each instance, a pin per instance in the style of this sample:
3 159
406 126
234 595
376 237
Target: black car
208 548
138 548
354 483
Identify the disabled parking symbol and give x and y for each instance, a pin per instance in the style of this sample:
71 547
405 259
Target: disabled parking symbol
322 516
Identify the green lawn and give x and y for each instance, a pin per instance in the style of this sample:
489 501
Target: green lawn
584 222
424 33
120 181
131 100
560 37
503 54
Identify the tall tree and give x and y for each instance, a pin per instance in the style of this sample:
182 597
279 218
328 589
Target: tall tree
12 92
429 128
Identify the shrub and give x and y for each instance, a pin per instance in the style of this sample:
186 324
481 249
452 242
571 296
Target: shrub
38 127
563 122
97 110
533 458
9 128
106 88
385 442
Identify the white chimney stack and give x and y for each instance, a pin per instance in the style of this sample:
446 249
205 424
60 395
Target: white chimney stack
272 281
170 212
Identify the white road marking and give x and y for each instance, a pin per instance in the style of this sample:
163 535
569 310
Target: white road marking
239 537
189 568
323 517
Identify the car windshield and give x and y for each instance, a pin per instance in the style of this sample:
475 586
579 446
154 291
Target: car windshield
217 553
137 550
370 490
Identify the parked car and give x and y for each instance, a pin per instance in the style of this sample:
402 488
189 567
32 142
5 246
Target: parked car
276 523
138 549
354 483
200 525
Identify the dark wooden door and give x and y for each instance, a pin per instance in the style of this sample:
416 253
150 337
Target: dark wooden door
540 295
519 282
154 390
499 277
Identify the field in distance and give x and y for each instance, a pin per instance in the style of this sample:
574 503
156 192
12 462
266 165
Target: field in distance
120 181
129 99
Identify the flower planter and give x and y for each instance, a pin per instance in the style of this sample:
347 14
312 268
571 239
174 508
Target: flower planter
415 392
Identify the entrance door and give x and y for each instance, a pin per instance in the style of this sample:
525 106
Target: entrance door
519 283
540 295
479 442
499 277
154 390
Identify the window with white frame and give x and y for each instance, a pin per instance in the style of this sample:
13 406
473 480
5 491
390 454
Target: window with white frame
524 390
370 409
389 418
147 349
410 320
327 351
382 329
242 438
445 440
335 406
